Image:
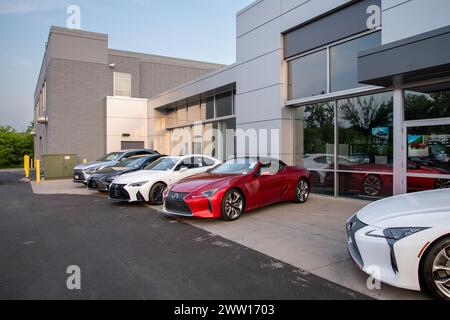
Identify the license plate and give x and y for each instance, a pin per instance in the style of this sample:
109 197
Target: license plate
77 176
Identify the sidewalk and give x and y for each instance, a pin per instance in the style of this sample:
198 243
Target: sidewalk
311 237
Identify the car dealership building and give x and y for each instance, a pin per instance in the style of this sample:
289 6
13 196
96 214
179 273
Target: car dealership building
356 91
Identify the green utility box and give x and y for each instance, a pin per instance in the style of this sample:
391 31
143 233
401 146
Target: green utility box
58 166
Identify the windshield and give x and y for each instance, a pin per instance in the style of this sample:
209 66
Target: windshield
236 166
163 164
111 157
132 162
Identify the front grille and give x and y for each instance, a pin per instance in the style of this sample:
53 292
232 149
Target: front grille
78 175
175 203
96 184
353 226
117 191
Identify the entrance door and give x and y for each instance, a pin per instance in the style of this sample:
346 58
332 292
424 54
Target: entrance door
428 154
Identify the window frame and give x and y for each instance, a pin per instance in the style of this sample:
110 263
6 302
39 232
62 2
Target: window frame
329 94
114 84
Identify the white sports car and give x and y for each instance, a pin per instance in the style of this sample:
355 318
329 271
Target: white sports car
149 184
405 241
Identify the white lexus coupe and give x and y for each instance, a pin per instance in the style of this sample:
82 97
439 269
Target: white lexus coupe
404 241
149 184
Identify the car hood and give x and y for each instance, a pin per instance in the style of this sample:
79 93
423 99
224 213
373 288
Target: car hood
422 209
95 165
204 181
140 176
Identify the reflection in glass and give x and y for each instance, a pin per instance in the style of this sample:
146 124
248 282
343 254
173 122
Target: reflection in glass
308 76
365 133
314 136
417 184
344 61
322 182
194 112
427 103
429 150
360 184
314 143
224 104
209 107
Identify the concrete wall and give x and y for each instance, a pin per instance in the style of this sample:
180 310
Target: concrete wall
261 70
125 116
406 18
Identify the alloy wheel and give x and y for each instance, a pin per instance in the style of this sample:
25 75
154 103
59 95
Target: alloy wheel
442 184
157 194
372 185
441 271
302 191
233 205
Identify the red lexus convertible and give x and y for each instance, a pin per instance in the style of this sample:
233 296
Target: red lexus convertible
235 187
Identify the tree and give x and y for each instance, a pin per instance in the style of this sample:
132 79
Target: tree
14 145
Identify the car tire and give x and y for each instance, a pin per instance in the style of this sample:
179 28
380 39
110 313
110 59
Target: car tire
233 204
372 185
438 255
302 191
155 196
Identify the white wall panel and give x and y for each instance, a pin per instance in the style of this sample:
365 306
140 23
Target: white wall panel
413 17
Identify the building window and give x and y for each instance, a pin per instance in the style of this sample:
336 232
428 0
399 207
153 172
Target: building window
314 139
209 107
122 84
332 69
427 103
360 129
194 112
365 133
344 61
224 104
308 76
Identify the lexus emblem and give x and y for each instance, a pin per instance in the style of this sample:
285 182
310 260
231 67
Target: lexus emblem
175 196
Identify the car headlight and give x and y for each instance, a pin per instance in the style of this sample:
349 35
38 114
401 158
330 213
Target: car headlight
209 193
400 233
394 233
138 184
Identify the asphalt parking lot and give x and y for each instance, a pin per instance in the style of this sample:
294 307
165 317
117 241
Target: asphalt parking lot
131 252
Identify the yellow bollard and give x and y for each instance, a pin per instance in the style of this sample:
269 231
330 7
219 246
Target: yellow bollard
26 160
84 160
38 171
31 163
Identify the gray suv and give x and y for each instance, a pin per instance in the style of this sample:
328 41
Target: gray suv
82 172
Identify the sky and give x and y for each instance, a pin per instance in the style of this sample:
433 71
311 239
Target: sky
192 29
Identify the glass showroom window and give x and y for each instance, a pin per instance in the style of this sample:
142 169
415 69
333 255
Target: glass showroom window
308 76
208 104
224 104
194 112
314 143
344 61
365 155
122 84
427 103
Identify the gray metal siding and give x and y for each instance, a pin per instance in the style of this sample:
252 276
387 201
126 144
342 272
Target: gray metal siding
76 108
